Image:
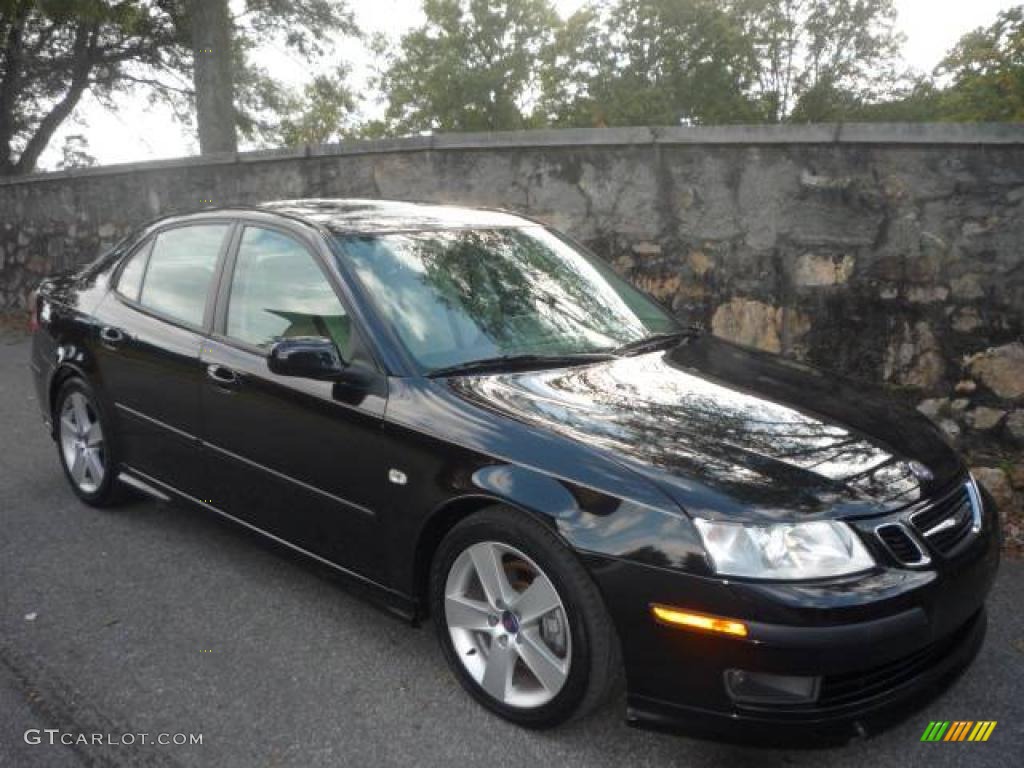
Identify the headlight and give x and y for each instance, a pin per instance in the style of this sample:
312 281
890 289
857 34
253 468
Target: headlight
784 550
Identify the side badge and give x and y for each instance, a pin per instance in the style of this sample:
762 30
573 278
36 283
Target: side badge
397 477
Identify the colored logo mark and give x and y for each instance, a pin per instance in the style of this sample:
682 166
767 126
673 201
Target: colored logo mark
959 730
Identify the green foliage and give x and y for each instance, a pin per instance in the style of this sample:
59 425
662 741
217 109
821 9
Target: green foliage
480 65
324 112
986 69
650 62
919 101
476 65
719 61
304 26
307 29
679 62
821 60
472 66
54 51
75 153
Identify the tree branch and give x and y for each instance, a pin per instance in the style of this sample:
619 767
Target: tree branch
154 84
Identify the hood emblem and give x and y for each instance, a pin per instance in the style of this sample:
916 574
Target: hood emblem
920 471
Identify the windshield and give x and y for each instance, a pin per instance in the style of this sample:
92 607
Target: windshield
457 296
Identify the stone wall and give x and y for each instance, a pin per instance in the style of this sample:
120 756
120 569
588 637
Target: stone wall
891 253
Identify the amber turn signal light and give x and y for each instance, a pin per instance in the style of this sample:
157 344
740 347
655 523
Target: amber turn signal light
679 618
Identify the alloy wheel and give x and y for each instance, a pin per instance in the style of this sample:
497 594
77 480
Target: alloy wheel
508 625
81 441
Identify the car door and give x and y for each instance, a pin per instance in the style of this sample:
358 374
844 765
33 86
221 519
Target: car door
151 328
294 457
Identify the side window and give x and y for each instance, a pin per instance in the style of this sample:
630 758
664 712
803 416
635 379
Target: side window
279 291
130 281
181 267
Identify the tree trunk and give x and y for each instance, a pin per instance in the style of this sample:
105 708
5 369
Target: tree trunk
9 76
214 83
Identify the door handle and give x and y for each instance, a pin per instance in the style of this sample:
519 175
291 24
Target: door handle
222 376
111 336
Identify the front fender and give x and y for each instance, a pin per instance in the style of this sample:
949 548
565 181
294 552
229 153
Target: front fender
595 522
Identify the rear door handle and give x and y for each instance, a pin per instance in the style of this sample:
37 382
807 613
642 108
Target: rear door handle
221 375
111 336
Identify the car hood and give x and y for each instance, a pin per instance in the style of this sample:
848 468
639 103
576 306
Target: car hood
728 431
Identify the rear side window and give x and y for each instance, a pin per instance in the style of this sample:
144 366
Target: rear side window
130 282
181 268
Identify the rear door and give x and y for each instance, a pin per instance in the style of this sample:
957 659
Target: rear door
151 330
288 455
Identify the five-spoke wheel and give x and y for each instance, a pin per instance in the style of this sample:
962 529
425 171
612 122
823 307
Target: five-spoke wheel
508 624
81 441
85 444
519 619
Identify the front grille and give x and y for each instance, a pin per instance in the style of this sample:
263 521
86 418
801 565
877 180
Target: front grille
939 527
947 523
900 544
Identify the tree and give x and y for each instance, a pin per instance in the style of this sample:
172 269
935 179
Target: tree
55 51
472 66
324 112
721 61
986 69
650 62
819 60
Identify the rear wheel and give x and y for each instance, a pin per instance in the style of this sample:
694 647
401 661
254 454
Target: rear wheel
519 620
84 444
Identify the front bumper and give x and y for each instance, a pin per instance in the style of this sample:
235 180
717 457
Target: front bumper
854 704
878 642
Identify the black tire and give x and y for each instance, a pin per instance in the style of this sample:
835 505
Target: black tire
109 491
594 668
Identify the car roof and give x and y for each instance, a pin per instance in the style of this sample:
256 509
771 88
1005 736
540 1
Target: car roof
374 216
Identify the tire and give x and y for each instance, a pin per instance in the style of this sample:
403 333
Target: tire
581 665
79 420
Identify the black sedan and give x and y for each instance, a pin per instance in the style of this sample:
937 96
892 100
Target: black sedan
473 419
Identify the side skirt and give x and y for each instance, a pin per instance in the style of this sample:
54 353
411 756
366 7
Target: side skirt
390 599
142 486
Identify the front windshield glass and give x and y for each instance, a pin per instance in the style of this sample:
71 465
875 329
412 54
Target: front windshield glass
457 296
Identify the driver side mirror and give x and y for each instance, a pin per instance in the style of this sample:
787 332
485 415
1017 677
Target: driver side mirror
308 357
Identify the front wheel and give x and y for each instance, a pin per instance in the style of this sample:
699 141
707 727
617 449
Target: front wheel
519 620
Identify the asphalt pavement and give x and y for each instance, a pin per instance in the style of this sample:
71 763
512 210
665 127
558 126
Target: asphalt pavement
156 619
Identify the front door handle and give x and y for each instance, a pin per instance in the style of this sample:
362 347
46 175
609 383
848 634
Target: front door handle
110 335
221 375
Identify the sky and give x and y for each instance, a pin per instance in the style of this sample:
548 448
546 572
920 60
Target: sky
138 132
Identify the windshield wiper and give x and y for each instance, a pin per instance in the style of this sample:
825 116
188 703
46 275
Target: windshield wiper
654 341
505 362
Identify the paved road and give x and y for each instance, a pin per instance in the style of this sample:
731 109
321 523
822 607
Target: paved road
155 619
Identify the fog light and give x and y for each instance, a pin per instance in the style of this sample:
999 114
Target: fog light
747 687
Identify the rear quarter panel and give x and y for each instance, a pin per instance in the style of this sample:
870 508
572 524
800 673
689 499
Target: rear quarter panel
63 343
